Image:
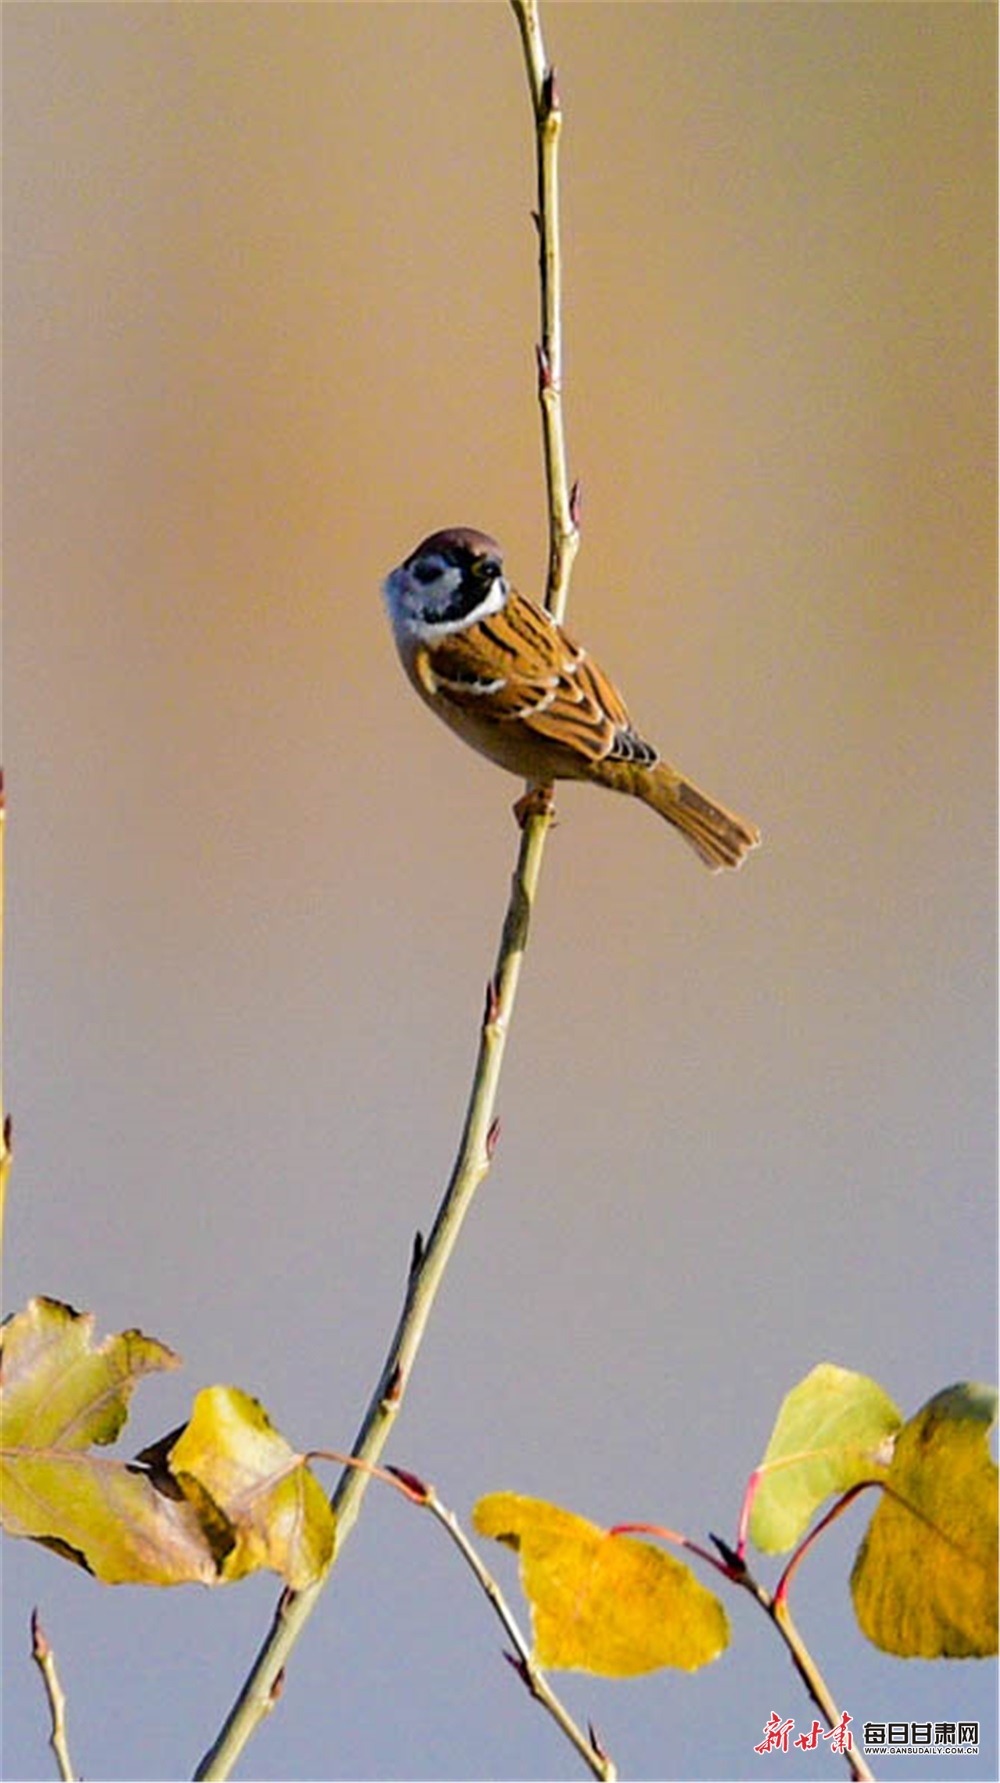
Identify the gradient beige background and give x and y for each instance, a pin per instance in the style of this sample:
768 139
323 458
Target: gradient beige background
270 318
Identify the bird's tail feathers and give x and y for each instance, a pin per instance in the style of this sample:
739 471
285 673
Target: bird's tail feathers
718 837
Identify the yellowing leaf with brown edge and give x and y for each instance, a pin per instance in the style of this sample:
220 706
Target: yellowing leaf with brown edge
603 1603
924 1581
218 1500
62 1390
60 1393
834 1429
109 1518
230 1455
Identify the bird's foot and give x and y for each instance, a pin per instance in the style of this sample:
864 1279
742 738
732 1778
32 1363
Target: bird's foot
538 801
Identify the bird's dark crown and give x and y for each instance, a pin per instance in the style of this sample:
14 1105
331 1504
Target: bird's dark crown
461 545
451 575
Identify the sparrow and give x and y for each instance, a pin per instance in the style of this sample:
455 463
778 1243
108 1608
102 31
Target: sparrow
502 674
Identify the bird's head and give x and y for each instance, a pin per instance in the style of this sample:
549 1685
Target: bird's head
451 580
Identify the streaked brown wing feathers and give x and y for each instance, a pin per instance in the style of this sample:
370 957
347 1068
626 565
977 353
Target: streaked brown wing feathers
518 666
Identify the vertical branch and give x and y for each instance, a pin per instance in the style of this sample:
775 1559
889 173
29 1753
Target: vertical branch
263 1683
4 1120
562 500
479 1134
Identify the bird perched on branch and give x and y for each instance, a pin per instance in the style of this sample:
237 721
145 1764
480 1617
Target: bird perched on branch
505 676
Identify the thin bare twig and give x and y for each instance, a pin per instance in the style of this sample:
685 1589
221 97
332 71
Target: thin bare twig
530 1673
812 1677
562 499
45 1659
733 1566
425 1497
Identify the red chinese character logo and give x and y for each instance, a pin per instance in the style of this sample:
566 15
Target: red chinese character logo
841 1740
776 1734
809 1741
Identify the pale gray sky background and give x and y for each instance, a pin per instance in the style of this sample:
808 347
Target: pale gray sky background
270 318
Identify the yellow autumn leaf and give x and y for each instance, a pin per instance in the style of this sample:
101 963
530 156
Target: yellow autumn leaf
230 1455
599 1602
924 1582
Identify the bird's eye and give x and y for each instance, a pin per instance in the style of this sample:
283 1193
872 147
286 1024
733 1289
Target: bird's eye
426 570
488 568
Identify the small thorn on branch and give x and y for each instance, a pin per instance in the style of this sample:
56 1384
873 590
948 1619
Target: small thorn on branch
545 378
576 502
394 1386
493 1138
492 1009
736 1565
274 1694
417 1253
517 1664
536 219
596 1742
550 92
413 1485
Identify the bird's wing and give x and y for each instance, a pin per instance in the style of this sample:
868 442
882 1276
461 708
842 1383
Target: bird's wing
519 667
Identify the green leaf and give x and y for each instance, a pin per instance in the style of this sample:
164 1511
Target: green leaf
833 1430
600 1602
924 1581
230 1455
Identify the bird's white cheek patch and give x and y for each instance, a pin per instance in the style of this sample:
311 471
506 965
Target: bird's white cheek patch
429 628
